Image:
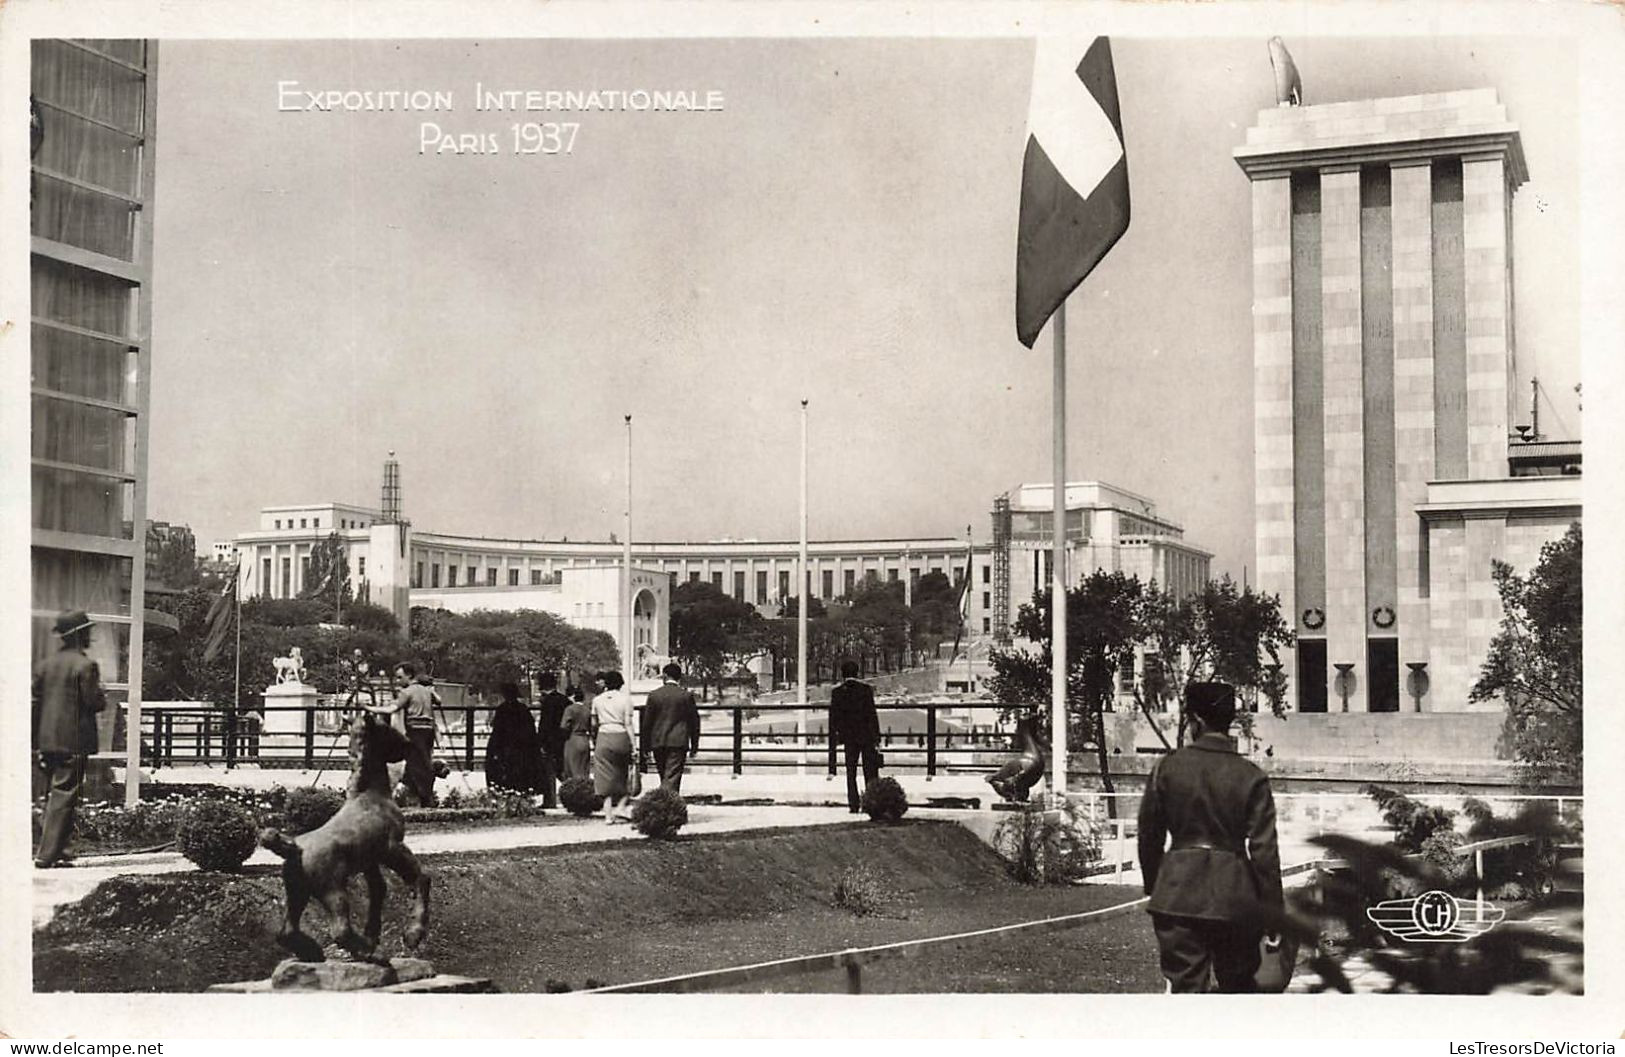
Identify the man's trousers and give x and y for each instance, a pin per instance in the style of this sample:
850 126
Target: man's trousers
66 773
871 771
1193 948
669 762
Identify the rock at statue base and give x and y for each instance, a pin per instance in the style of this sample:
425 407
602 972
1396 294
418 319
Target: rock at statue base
409 969
294 975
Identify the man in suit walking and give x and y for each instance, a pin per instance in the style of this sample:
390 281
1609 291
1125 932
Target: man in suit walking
854 723
67 696
1215 887
671 728
550 723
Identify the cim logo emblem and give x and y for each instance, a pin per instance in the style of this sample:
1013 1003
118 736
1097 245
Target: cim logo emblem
1435 917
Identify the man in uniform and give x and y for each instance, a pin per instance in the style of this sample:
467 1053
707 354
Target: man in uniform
550 728
671 728
67 697
853 722
1214 887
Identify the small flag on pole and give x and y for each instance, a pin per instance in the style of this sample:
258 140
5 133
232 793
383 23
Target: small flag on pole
218 620
1074 178
964 611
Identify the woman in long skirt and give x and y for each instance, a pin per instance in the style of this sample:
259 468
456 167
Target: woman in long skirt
577 728
613 750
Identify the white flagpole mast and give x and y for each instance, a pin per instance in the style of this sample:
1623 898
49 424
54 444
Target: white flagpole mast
964 610
626 569
237 663
804 601
1058 671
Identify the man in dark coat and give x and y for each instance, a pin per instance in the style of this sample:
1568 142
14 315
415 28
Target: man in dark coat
550 727
1214 888
67 696
671 728
854 723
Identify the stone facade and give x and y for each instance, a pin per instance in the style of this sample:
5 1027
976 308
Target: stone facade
1383 350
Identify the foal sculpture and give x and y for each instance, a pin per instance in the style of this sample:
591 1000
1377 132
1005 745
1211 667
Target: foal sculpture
366 835
1020 774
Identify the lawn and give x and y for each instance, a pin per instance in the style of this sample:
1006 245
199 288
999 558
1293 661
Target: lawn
574 916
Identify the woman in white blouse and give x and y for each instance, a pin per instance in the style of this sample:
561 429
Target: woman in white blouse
612 752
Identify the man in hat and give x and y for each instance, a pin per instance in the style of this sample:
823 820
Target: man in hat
671 728
1215 886
67 697
854 723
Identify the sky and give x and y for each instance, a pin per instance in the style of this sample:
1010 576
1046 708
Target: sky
842 231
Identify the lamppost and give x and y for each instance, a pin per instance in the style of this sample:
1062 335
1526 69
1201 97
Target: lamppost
1344 682
1418 681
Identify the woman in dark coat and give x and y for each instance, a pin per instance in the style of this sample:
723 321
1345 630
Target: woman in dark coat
513 755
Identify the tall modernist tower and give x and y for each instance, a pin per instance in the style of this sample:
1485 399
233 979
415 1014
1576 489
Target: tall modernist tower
1383 348
92 193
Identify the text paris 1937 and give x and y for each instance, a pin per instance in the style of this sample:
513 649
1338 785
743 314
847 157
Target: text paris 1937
526 137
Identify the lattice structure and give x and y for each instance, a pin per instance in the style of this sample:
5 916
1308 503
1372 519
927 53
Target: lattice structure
391 504
1001 570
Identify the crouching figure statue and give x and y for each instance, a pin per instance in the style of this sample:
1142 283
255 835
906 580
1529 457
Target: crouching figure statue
366 835
1022 772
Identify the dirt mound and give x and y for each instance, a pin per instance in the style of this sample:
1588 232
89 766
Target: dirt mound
617 911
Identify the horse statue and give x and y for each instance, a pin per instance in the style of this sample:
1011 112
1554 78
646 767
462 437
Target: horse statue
289 669
1017 777
650 663
365 835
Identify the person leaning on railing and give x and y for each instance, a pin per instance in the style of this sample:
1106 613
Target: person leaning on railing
415 704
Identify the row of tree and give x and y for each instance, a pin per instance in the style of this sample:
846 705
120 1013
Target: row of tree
713 633
1224 633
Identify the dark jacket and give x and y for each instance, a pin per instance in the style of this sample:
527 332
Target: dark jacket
67 696
671 720
852 716
577 719
512 755
550 721
1218 808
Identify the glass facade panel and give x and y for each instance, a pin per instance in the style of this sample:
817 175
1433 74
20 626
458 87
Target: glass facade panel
65 431
82 217
82 366
83 298
69 501
88 84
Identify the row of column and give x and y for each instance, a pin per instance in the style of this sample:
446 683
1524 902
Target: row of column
1353 607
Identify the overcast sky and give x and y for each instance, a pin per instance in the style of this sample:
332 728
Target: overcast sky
843 230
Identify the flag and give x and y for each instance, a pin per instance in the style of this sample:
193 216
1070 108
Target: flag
218 620
964 610
1074 178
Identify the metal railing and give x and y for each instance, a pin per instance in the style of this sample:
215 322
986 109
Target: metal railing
313 736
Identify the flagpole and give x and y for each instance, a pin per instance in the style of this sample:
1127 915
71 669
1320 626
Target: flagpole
804 602
626 569
237 662
964 612
1058 672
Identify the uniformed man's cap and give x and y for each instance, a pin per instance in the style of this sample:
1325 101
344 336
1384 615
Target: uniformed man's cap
71 621
1214 703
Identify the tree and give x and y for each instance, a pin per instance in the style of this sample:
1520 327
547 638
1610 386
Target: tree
1105 618
709 629
1221 634
176 563
1536 663
882 620
328 579
487 648
934 614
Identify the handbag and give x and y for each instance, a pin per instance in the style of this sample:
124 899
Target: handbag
1277 958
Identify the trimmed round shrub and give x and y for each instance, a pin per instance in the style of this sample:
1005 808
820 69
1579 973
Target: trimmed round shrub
216 835
885 800
659 813
864 890
578 797
309 808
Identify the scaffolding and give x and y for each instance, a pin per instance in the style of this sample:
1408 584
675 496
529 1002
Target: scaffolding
391 504
1001 570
